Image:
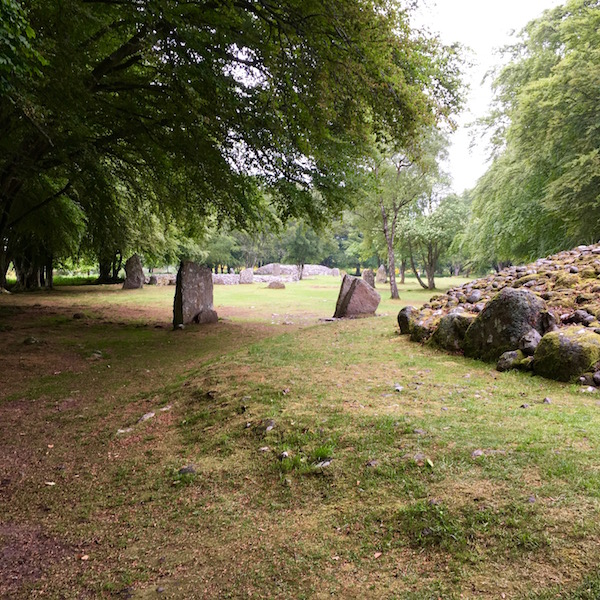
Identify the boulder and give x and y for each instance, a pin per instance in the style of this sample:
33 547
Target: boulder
510 360
193 295
529 342
567 354
153 280
134 274
450 333
357 298
503 322
406 319
246 276
369 277
381 276
276 285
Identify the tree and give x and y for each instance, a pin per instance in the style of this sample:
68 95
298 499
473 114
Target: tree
541 192
199 107
304 245
431 232
399 179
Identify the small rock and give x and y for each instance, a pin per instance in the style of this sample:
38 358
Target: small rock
419 457
79 316
284 454
323 463
531 499
524 405
419 431
123 431
270 425
476 453
589 390
160 590
573 269
398 387
547 400
264 449
372 463
146 417
187 470
30 341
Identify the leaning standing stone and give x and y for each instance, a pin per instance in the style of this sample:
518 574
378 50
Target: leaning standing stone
247 276
357 298
369 277
193 295
134 278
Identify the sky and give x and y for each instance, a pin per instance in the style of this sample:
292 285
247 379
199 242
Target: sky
484 26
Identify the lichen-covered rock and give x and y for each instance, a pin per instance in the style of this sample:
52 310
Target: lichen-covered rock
276 285
423 329
567 354
356 298
134 274
512 359
450 333
406 318
503 322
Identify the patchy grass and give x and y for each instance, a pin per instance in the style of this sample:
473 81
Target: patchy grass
309 475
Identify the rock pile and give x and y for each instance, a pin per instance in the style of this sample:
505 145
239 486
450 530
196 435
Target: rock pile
542 317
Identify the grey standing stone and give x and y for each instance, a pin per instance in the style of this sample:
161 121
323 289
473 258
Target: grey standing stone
247 276
381 276
135 278
276 270
193 295
356 298
369 277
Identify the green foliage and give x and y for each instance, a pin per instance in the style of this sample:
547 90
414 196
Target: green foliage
304 245
541 192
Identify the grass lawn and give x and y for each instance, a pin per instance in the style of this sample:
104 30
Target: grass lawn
325 459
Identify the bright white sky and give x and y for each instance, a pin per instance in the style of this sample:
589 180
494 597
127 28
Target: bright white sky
483 26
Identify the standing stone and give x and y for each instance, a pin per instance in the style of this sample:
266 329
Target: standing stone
381 276
193 295
369 277
276 270
247 276
335 272
357 298
134 274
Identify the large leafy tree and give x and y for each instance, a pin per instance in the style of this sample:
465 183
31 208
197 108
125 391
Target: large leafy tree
198 107
542 192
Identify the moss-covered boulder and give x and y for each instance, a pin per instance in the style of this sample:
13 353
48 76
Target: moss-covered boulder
450 334
406 318
514 359
567 354
503 322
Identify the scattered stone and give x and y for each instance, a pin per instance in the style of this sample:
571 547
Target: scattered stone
531 499
78 315
510 360
419 457
398 387
547 401
124 431
474 297
589 390
284 454
324 463
264 449
187 470
146 417
269 426
371 463
525 405
419 431
381 276
31 341
193 296
476 453
134 274
246 276
369 277
356 298
529 342
276 285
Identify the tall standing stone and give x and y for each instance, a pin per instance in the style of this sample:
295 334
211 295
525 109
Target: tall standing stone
193 295
247 276
381 276
134 274
369 277
356 299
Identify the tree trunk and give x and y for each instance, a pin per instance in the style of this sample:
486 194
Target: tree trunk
430 271
414 268
104 268
49 272
389 240
28 271
357 272
300 271
116 266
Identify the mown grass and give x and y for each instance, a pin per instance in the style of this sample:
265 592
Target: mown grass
312 475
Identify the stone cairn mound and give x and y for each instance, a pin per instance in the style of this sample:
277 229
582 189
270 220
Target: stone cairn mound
542 317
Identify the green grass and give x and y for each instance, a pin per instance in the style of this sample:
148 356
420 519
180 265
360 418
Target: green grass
314 476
